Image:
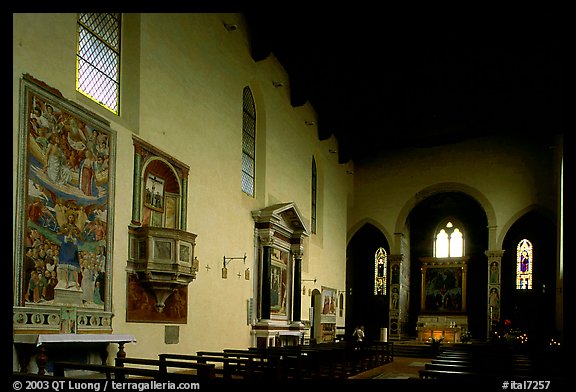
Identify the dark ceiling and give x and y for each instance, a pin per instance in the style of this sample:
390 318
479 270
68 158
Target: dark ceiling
378 84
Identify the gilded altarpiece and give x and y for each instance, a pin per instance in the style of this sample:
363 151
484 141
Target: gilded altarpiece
443 298
279 233
64 215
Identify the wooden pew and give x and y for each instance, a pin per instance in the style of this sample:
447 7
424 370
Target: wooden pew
315 361
322 360
225 367
267 365
110 371
332 359
452 374
495 369
483 361
198 371
292 364
486 361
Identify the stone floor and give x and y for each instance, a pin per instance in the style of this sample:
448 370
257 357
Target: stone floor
400 368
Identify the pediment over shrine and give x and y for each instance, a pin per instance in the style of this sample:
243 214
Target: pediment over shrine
284 218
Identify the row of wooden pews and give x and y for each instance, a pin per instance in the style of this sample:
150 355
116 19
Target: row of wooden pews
485 361
304 362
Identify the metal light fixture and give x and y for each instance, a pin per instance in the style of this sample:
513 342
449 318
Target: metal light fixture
227 261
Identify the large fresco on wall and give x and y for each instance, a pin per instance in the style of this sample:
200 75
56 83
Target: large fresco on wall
65 193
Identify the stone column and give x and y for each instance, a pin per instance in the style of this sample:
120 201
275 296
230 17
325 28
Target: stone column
494 288
398 302
136 186
265 289
183 204
297 286
464 280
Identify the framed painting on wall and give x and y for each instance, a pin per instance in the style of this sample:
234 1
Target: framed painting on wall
154 192
64 227
443 289
328 310
278 282
141 304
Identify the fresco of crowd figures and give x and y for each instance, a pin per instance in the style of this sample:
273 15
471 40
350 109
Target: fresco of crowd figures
65 235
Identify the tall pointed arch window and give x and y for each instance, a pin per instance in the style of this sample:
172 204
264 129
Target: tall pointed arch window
449 240
380 268
524 263
248 142
98 58
314 196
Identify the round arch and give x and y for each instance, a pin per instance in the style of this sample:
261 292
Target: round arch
448 187
534 207
162 162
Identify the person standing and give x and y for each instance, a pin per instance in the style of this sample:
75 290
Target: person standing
358 336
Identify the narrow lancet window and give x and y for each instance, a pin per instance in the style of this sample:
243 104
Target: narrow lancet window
248 142
380 268
524 262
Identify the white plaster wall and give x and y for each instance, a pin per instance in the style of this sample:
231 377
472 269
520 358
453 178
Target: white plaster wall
183 93
506 175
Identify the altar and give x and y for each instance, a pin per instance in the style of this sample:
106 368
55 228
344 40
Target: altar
443 299
449 327
42 346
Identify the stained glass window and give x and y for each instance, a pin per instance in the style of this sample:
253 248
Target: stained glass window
98 58
380 268
524 262
248 142
449 241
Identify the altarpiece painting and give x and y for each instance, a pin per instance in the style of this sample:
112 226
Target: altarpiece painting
278 282
443 289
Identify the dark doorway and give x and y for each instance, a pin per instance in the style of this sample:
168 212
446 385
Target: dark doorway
532 310
362 306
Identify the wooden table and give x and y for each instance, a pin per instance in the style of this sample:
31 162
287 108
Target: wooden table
29 344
